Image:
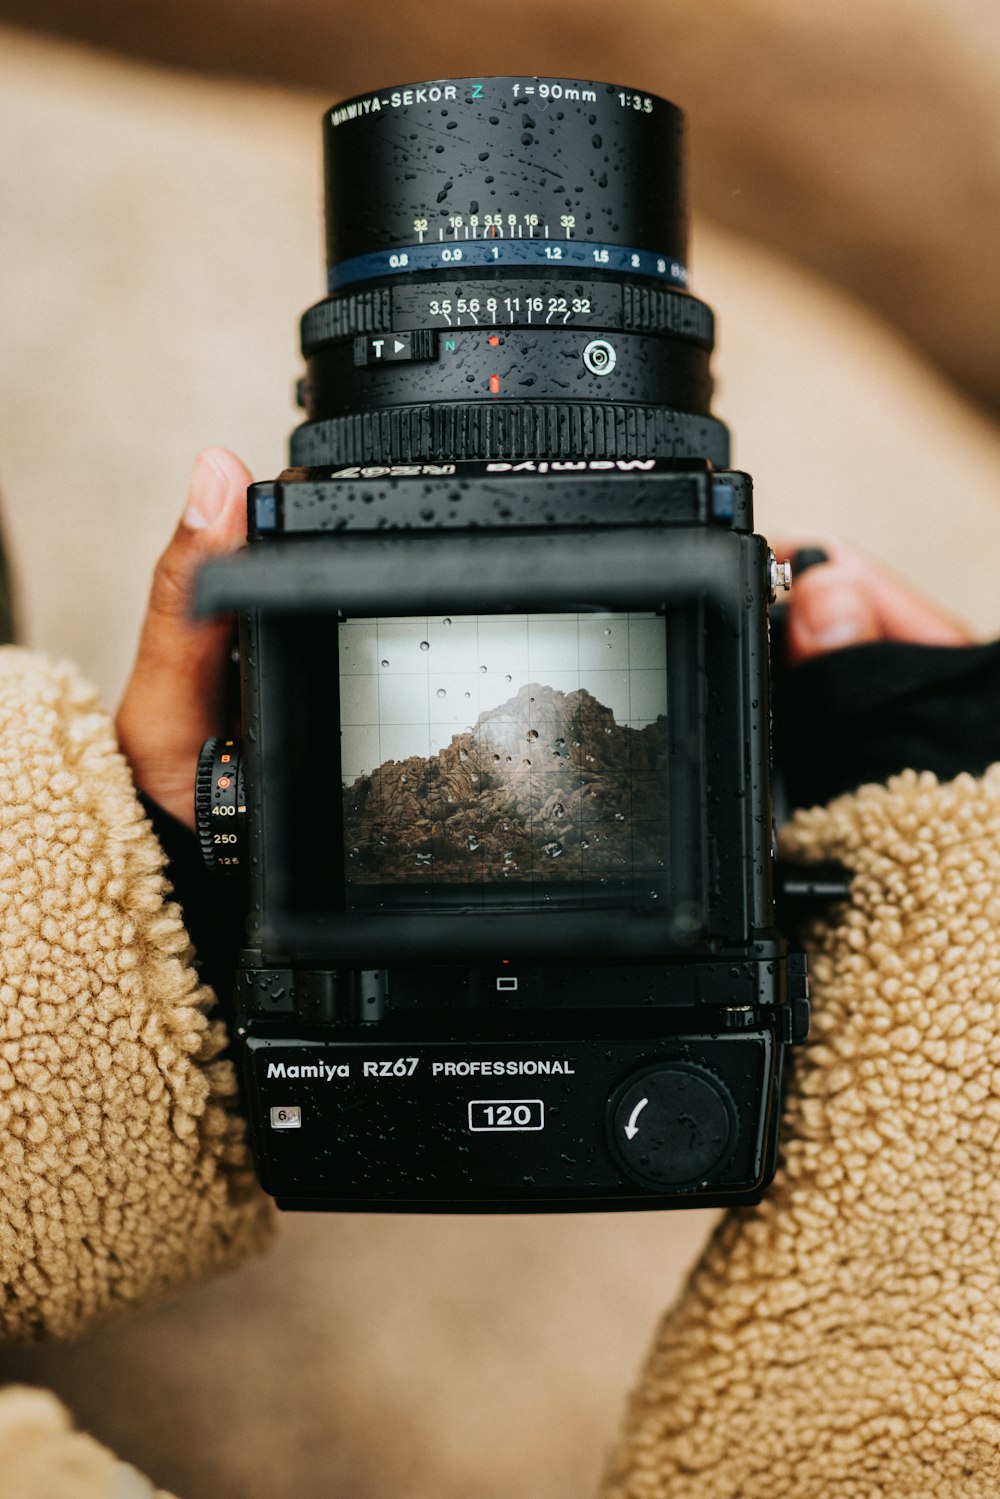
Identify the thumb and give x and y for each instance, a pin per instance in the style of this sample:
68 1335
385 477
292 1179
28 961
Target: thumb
174 695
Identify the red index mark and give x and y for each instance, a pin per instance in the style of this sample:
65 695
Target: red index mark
223 782
494 384
493 339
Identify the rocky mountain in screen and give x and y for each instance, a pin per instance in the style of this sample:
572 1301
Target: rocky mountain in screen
545 787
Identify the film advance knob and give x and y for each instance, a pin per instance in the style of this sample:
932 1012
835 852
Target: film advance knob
673 1125
220 805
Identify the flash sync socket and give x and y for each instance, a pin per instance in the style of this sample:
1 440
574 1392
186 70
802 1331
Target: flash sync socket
599 357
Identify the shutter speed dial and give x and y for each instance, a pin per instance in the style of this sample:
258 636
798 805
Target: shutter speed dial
220 804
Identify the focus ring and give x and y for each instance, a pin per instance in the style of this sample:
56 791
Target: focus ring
451 432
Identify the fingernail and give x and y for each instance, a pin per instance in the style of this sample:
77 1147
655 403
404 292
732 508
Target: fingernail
207 495
834 612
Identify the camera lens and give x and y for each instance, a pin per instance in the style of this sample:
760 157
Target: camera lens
507 272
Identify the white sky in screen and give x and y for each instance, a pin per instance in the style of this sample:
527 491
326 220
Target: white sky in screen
443 673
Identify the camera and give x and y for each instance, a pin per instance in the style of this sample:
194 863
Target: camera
501 802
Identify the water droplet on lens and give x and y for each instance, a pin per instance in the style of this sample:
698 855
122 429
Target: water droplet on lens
483 670
441 692
532 734
385 663
553 850
425 858
496 759
525 762
558 810
467 694
473 842
607 632
446 621
507 678
619 817
425 645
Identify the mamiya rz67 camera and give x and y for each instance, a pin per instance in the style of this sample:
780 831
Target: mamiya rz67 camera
501 800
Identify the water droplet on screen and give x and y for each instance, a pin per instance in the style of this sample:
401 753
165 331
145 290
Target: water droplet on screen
507 678
560 742
496 759
558 810
425 858
584 842
441 692
467 694
446 620
385 663
425 645
553 850
403 780
532 734
473 842
525 762
619 817
483 670
384 838
607 632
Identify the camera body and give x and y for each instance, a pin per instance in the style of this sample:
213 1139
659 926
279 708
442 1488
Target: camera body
521 1051
502 796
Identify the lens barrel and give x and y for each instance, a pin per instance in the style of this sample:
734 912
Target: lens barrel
506 269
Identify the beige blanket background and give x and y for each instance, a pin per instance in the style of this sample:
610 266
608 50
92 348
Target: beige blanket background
159 235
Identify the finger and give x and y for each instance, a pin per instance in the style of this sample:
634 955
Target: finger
850 600
174 695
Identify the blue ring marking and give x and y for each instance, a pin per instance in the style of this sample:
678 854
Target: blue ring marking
464 253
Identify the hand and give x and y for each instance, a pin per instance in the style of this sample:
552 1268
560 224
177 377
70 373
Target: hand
850 600
174 698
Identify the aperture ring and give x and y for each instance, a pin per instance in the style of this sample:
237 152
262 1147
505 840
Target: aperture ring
344 317
510 431
609 305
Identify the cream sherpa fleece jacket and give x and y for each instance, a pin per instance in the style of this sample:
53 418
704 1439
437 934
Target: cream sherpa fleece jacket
124 1172
840 1340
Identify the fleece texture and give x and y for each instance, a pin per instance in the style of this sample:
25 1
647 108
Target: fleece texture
42 1457
124 1168
842 1339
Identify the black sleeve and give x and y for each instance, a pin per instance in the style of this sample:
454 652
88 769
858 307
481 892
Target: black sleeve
212 905
868 711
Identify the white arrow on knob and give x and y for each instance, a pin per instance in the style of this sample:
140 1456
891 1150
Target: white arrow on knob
397 344
632 1129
